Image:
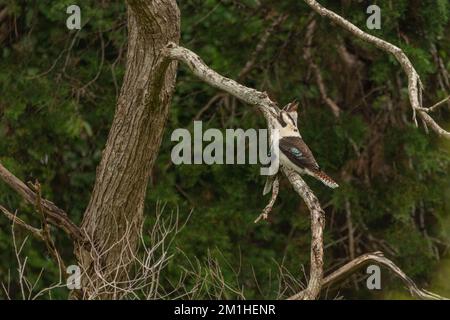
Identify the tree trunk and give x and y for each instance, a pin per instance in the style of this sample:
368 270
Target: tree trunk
114 216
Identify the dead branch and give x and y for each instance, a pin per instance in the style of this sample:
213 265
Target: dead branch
248 95
27 286
438 104
45 230
307 55
270 110
260 46
249 65
314 287
42 234
265 213
377 257
414 83
54 215
16 220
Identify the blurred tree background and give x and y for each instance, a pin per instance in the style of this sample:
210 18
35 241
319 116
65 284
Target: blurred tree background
58 90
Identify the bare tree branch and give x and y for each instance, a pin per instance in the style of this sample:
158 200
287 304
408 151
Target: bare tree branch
43 235
202 71
377 257
414 83
307 55
265 213
56 216
270 110
438 104
312 291
45 230
261 45
249 65
16 220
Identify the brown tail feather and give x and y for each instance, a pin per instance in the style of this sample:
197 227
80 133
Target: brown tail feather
322 176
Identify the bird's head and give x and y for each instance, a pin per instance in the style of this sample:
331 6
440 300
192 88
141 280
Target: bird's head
291 107
287 119
287 123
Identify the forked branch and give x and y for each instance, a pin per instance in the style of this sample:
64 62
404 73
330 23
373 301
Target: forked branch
414 83
375 257
270 110
37 233
43 233
317 214
55 215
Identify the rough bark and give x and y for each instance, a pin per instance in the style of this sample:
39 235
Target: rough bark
117 202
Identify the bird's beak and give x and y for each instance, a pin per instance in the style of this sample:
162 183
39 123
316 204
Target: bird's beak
293 106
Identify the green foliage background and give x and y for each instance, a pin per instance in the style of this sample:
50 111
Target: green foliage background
57 97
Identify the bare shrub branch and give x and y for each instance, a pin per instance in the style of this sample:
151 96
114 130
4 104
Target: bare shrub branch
27 287
143 280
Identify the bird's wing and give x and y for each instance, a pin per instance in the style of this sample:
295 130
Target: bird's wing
298 152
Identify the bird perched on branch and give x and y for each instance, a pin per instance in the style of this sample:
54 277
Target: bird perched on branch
294 153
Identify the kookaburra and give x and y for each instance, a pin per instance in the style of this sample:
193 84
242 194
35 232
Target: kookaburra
294 153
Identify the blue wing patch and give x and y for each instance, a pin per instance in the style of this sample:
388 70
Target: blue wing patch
297 153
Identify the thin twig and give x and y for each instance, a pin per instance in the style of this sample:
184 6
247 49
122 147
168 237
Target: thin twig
16 220
265 213
307 55
46 230
436 105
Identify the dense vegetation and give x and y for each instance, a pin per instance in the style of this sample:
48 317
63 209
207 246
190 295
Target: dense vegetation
58 92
